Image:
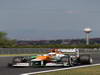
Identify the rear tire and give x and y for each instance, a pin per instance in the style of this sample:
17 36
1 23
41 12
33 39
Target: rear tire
85 59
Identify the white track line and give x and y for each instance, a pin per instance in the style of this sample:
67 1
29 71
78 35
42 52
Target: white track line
59 69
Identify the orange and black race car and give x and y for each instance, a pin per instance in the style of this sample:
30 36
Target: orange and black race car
62 57
55 57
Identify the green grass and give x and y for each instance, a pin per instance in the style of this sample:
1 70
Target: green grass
80 71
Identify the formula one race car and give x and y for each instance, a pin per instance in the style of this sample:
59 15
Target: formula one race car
56 57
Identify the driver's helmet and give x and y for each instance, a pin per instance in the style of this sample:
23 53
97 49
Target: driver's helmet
51 54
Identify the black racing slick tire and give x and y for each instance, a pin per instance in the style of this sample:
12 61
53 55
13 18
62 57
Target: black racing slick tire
85 59
19 59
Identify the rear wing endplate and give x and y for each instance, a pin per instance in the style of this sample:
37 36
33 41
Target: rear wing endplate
75 50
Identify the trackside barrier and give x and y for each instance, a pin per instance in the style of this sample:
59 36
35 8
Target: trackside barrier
22 50
38 50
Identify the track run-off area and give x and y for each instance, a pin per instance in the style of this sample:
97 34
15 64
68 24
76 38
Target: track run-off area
4 70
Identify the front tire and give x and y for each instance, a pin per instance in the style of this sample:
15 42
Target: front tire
19 59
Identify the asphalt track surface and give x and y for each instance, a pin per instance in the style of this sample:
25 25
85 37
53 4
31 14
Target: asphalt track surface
4 70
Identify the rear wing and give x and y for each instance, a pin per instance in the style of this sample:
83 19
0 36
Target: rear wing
75 51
